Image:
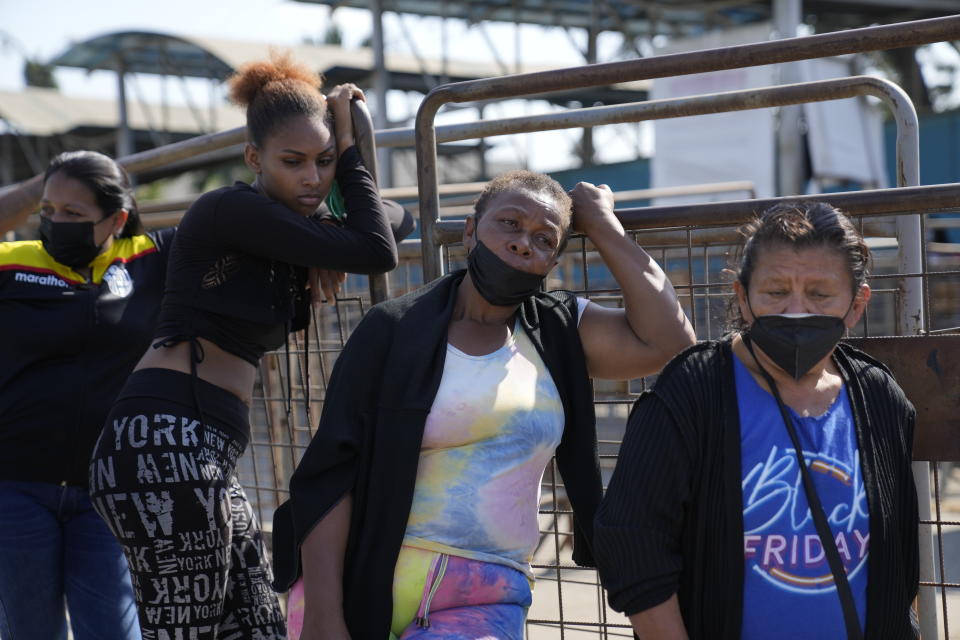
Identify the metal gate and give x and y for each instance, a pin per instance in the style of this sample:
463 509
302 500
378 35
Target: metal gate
915 294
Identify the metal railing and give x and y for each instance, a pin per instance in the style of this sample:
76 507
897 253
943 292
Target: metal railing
936 439
788 50
913 318
693 244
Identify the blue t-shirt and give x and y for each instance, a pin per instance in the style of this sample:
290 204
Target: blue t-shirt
788 589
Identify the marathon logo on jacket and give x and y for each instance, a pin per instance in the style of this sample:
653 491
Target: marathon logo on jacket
49 279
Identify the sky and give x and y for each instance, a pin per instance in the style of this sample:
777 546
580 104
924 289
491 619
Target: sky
42 29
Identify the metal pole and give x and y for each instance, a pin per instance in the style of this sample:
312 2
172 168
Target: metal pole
655 109
893 96
844 87
381 84
365 137
592 116
910 248
482 144
168 154
517 55
778 51
6 165
587 150
124 137
790 144
214 101
426 141
164 109
911 321
444 48
874 202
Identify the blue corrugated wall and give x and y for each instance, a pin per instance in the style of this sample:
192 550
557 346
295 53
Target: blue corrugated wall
939 156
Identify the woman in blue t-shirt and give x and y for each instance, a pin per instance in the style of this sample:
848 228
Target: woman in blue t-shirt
710 528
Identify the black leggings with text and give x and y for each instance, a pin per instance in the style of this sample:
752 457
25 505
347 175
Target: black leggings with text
164 481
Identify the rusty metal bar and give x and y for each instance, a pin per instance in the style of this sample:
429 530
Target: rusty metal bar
874 202
907 174
24 196
171 153
912 321
409 250
158 157
168 154
466 189
889 93
158 214
880 202
818 46
775 96
923 366
364 134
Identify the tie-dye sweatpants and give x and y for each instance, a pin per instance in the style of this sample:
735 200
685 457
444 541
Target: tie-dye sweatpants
163 478
436 596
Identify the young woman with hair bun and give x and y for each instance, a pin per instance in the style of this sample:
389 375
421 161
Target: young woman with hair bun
163 472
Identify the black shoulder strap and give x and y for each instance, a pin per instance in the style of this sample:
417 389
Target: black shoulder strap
850 617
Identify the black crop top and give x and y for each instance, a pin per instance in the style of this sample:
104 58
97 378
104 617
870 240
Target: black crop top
237 269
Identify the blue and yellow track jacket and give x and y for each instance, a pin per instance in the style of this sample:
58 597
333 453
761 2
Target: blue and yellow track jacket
68 346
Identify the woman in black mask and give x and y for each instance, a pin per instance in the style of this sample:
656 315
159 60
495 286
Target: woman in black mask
414 510
764 487
78 308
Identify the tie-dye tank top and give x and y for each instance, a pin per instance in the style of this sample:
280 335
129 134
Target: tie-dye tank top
493 428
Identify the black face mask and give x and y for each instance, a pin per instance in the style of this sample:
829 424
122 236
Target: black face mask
498 282
70 243
796 341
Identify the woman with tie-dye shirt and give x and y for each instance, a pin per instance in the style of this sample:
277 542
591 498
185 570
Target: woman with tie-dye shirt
414 511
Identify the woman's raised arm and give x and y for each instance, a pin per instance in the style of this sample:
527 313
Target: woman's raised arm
651 328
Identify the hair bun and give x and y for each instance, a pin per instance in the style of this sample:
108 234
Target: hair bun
280 70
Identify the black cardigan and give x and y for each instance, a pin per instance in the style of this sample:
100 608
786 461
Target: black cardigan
369 437
672 519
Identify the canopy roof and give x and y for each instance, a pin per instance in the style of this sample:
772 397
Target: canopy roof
663 17
47 112
217 58
145 52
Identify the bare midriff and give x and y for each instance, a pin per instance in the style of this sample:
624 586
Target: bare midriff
222 368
